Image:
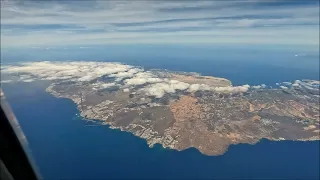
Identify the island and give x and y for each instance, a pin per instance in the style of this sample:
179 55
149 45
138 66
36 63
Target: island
180 110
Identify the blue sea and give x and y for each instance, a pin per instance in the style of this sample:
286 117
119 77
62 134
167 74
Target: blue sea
65 146
241 64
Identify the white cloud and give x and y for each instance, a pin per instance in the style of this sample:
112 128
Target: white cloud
194 87
79 71
159 89
141 81
308 84
135 81
256 87
233 89
287 83
178 85
260 86
243 88
127 74
199 87
28 80
6 81
154 85
142 78
296 83
102 85
154 91
98 22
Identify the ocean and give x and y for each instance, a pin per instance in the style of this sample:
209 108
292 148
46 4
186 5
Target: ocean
240 64
65 146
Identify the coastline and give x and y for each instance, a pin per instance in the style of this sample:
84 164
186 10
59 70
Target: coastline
151 143
65 137
181 110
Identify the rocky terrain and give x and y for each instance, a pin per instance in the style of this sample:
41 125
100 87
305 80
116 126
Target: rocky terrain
182 110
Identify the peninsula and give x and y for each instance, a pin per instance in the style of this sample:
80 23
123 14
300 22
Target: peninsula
180 110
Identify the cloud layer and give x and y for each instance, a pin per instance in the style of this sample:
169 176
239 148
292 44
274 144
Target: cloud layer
84 23
312 85
102 75
77 71
92 74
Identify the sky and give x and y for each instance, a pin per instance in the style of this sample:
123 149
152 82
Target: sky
74 23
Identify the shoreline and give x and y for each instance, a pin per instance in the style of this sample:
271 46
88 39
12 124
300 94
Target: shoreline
151 144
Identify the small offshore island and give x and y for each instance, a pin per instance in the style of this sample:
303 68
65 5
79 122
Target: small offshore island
180 110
